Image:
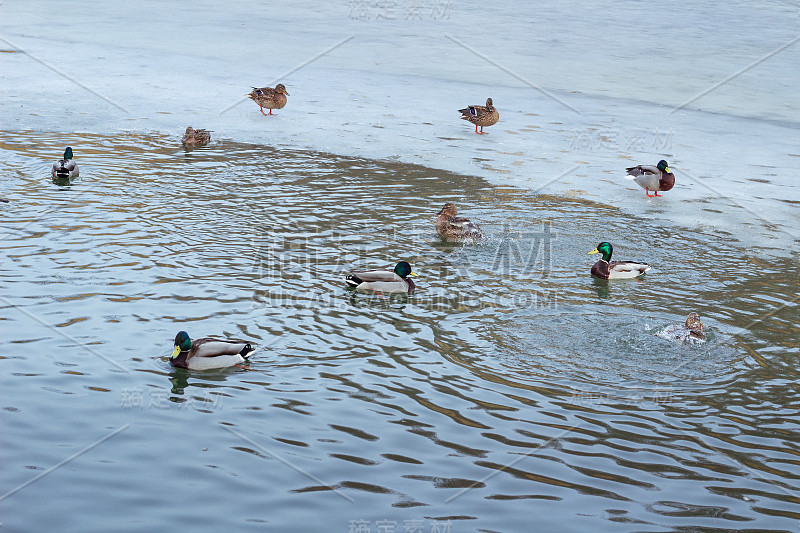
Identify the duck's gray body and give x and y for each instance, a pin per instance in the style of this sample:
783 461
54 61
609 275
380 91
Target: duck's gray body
208 353
65 169
652 178
380 281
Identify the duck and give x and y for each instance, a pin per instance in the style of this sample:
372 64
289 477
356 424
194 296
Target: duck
65 168
692 331
269 97
652 178
483 116
607 269
384 280
208 352
455 228
194 137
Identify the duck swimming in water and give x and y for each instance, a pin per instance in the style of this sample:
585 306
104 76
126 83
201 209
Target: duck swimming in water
691 332
65 168
194 137
607 269
208 352
454 228
384 280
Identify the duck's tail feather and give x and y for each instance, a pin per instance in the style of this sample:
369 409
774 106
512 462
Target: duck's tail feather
353 280
247 350
468 112
62 171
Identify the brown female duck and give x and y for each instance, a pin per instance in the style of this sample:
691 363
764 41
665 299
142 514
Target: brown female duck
269 97
194 137
691 332
454 228
483 116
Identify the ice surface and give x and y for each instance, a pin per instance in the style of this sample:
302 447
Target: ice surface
584 89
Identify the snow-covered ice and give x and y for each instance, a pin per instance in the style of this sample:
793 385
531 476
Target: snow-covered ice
584 89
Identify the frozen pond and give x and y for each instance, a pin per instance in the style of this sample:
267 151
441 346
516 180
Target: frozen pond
511 391
583 91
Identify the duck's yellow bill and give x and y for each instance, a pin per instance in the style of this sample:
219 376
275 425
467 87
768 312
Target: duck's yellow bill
175 352
666 169
595 251
413 274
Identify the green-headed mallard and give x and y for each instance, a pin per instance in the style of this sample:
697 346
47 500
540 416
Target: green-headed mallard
269 97
483 116
605 268
194 137
652 178
384 280
65 168
455 228
692 331
207 353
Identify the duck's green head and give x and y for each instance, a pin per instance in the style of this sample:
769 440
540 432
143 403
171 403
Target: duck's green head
403 270
182 344
663 166
281 89
68 153
604 248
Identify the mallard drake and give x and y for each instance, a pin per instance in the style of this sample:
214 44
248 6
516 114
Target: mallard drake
65 168
692 331
607 269
652 178
451 227
194 137
384 280
483 116
207 353
269 97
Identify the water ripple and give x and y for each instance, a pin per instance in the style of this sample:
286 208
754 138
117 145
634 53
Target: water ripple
509 381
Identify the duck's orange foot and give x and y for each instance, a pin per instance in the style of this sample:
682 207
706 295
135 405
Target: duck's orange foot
262 111
647 192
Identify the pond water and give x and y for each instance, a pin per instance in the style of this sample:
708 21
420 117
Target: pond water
510 392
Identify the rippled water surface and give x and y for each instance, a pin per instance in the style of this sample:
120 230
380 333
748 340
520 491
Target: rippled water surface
511 392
